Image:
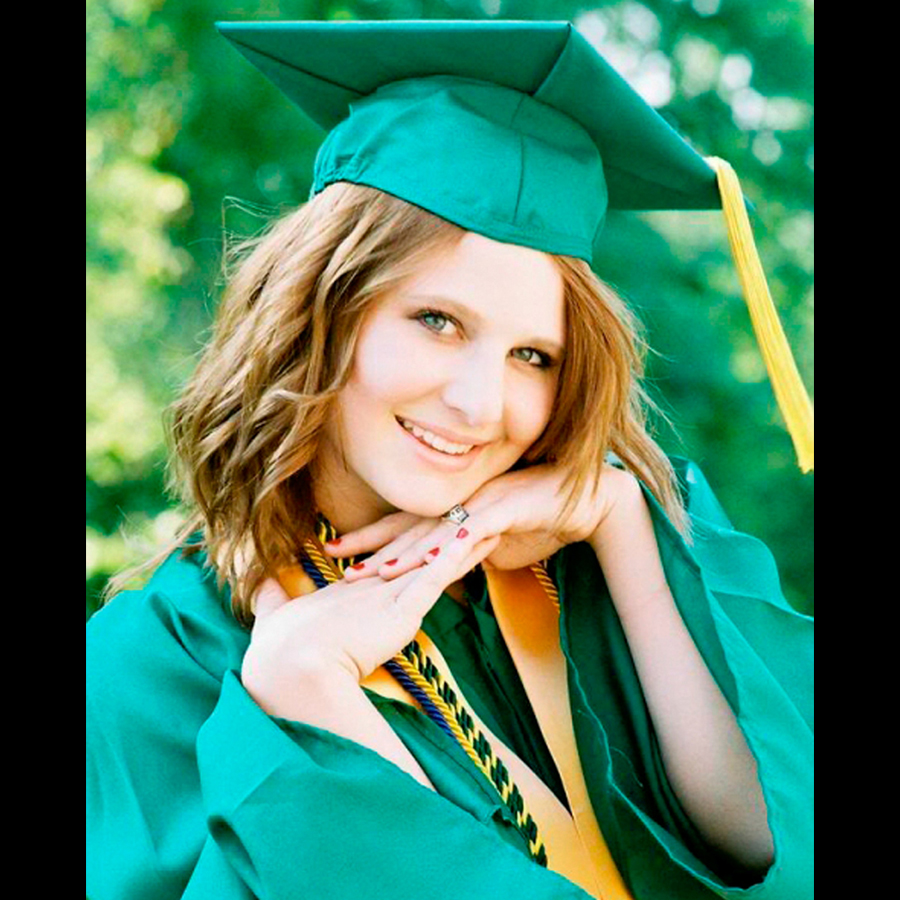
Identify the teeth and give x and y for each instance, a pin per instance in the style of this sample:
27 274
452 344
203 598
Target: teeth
438 443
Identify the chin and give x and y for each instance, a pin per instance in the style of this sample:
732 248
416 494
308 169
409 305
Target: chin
412 501
427 510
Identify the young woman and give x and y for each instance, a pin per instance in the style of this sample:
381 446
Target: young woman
445 615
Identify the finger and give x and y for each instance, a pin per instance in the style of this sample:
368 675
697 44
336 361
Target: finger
481 550
422 546
420 588
387 556
409 597
493 519
371 537
270 597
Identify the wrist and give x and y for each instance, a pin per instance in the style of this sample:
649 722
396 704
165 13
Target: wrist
288 691
623 506
627 552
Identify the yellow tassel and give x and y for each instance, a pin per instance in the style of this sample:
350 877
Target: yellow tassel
790 393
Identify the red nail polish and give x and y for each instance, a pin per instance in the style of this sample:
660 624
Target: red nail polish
334 541
434 551
391 562
462 533
361 565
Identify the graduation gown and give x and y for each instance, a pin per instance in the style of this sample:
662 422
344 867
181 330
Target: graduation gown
193 791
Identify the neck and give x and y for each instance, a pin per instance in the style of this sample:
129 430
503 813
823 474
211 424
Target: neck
349 506
346 506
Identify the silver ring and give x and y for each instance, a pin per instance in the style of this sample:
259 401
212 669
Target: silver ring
457 515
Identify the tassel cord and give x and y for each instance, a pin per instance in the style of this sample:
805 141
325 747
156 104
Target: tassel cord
790 393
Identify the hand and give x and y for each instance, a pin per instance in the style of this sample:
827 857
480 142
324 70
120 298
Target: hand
520 507
346 630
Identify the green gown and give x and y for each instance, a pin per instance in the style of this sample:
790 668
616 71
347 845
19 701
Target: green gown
193 791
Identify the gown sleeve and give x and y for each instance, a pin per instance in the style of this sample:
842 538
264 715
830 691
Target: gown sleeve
194 792
758 649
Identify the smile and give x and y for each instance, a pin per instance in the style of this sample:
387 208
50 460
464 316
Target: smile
435 442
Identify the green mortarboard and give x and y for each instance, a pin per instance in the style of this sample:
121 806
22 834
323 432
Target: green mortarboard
487 124
519 131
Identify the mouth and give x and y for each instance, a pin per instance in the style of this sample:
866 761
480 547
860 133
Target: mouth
449 450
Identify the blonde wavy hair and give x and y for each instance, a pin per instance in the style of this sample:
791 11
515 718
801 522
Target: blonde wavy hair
248 424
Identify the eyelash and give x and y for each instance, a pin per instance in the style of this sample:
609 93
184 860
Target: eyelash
546 361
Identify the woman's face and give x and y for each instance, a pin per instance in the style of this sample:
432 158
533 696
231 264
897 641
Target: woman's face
468 351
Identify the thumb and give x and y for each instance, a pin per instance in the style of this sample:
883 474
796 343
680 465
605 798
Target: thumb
270 597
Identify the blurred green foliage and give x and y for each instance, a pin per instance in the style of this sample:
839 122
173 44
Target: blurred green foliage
188 145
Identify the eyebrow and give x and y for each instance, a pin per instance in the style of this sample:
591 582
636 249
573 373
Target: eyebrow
466 312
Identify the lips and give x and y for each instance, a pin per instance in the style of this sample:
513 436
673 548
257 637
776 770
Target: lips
438 440
445 462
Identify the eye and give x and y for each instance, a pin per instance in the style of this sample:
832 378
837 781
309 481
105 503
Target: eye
539 359
438 318
434 320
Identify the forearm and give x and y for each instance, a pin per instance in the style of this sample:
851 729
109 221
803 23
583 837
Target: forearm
707 760
339 705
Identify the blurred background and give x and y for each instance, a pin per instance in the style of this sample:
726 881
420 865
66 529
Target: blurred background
188 147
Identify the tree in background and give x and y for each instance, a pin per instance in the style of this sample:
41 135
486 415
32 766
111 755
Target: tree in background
188 147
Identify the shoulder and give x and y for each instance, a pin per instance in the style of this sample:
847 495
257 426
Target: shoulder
697 494
180 617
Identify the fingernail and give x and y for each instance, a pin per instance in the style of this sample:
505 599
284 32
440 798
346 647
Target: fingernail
334 542
434 551
361 565
391 562
462 533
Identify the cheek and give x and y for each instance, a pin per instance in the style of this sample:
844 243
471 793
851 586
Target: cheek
389 370
529 412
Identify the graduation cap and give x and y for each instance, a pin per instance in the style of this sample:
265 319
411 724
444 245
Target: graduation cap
519 131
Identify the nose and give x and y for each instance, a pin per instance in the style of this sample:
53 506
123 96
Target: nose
476 387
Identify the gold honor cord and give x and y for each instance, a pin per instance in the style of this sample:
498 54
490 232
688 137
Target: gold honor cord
421 670
530 629
793 400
